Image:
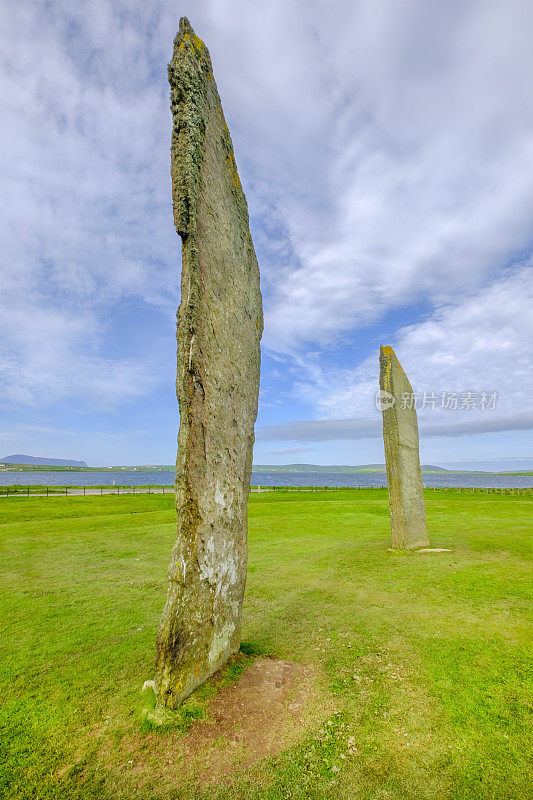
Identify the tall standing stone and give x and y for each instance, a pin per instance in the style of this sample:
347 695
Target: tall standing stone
219 329
400 436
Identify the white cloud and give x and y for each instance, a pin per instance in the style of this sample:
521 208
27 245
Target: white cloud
86 222
481 344
419 189
327 430
285 451
47 354
385 149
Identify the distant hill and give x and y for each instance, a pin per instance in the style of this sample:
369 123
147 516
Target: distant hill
49 462
333 468
510 465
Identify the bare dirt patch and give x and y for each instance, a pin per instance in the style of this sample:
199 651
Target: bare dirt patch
255 717
270 707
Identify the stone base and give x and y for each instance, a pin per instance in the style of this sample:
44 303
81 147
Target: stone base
419 550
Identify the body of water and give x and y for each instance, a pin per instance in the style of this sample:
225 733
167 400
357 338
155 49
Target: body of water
123 478
468 480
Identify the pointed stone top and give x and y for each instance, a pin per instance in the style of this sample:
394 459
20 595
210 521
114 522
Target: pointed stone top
387 350
186 31
185 26
387 358
187 41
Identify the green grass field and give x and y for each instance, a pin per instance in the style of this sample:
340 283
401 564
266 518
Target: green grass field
421 660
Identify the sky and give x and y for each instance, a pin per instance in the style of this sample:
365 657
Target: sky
386 152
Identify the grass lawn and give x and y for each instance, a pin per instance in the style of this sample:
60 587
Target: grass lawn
421 660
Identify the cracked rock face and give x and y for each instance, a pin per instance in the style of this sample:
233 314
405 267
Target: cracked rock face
404 476
219 329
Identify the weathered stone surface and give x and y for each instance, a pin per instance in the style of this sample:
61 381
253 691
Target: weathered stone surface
219 329
404 476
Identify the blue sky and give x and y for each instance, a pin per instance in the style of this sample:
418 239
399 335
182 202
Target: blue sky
385 150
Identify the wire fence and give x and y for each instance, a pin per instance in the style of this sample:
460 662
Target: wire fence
80 491
460 489
84 491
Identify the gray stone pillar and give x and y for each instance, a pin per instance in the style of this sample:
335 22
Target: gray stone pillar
400 436
219 329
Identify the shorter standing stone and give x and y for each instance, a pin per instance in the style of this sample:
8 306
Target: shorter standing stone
400 436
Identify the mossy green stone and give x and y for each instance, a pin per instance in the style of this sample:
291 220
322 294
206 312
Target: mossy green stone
219 328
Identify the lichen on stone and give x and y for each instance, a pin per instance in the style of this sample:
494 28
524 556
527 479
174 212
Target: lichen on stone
404 474
219 326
